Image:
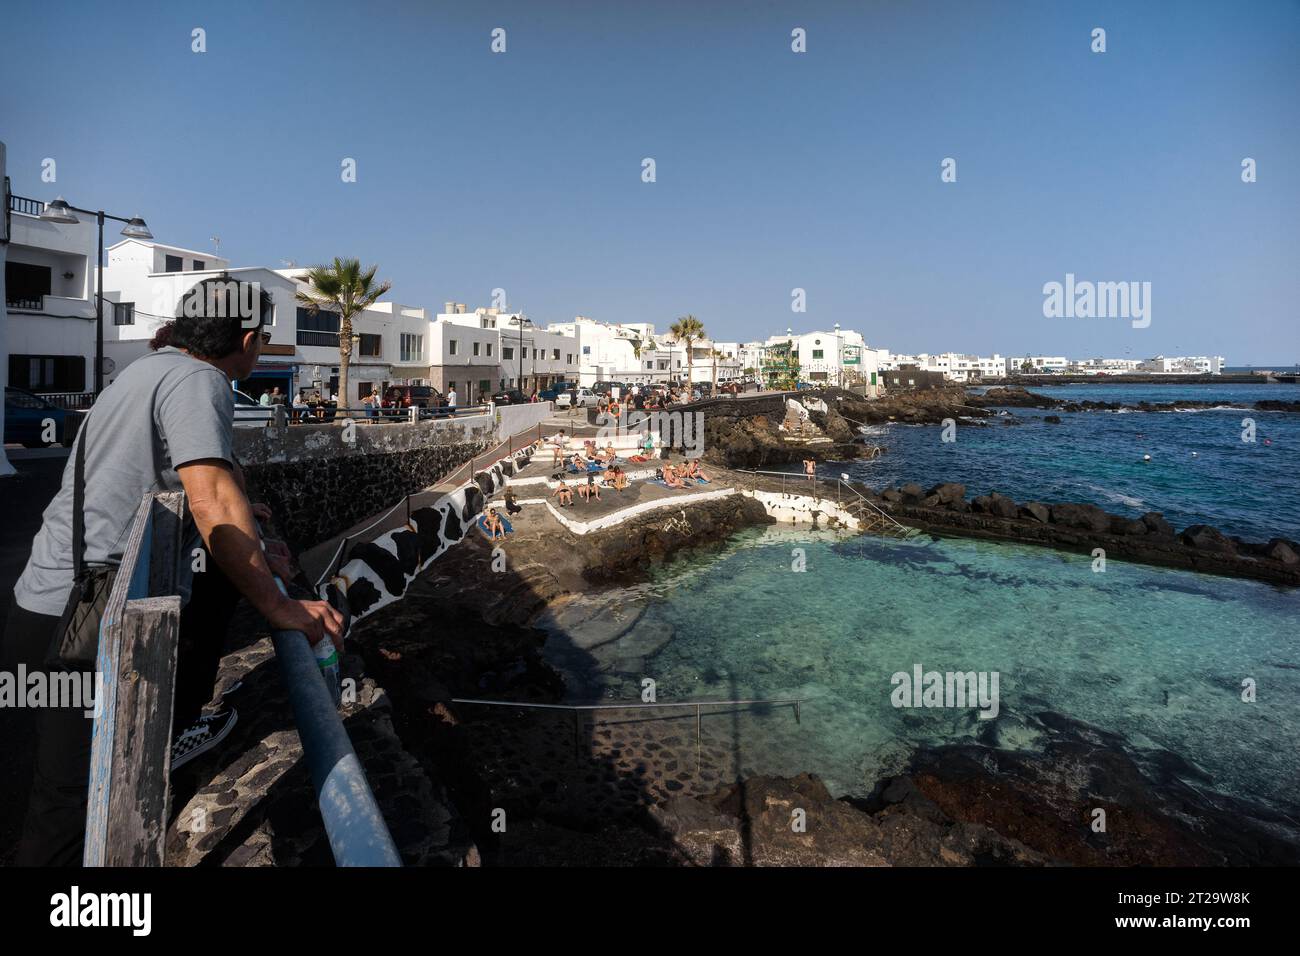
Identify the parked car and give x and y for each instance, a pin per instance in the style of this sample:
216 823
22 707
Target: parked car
26 414
584 398
249 413
510 396
405 396
603 388
554 392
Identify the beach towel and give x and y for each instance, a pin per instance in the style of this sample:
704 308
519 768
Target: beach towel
482 525
638 459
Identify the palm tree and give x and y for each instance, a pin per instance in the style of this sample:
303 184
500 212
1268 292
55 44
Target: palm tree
349 290
686 330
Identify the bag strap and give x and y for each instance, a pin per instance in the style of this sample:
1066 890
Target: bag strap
79 509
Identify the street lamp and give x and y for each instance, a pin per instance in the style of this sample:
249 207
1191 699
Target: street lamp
59 211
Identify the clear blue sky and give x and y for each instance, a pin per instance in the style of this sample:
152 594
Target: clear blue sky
775 170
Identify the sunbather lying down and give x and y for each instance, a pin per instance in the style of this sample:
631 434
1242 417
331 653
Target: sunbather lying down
493 525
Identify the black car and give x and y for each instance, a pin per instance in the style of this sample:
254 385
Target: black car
603 388
511 396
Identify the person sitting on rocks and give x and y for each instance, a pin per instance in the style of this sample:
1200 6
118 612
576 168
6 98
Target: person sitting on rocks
564 493
492 522
671 477
591 490
618 477
606 455
512 505
693 471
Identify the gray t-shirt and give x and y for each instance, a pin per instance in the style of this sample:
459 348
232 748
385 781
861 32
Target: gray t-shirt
165 409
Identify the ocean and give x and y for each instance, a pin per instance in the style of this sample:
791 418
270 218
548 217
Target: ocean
1200 472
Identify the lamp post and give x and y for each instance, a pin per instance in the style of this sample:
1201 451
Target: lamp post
59 211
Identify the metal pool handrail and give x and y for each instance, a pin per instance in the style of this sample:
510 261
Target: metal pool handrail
356 829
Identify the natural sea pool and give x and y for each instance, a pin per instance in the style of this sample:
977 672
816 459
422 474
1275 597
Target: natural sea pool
1155 655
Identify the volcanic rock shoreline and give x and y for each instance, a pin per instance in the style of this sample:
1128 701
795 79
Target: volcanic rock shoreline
1150 539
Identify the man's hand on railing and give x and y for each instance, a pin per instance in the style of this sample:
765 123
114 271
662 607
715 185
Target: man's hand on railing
316 619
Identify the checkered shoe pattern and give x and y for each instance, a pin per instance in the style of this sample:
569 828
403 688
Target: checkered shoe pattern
202 736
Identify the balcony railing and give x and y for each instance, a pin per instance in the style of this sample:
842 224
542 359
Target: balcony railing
18 302
28 207
325 339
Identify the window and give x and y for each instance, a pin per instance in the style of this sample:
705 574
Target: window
320 329
489 349
412 347
476 348
453 346
173 264
372 346
568 358
507 353
48 373
199 265
555 355
537 353
124 313
586 350
25 285
818 353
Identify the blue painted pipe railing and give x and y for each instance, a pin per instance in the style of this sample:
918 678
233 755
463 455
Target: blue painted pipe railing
356 829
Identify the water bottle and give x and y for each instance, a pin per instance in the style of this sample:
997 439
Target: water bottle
327 659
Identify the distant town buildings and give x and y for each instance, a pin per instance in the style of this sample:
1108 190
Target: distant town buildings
50 272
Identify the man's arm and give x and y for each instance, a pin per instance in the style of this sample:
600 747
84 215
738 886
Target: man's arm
225 520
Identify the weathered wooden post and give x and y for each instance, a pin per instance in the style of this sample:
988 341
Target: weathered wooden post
130 762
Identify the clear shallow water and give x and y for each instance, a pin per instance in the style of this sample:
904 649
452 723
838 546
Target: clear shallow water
1251 490
1155 655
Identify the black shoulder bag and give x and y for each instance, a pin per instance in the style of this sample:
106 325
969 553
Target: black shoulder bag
76 642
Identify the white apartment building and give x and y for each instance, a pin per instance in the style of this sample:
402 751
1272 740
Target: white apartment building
1184 365
837 357
955 366
527 357
49 299
1017 365
1104 366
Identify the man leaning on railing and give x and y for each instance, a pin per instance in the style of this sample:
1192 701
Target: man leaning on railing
165 424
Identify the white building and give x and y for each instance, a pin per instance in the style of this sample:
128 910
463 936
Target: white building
49 298
838 357
1104 366
1184 365
1021 364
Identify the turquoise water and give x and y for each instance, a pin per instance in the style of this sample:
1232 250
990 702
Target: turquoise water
1155 655
1200 469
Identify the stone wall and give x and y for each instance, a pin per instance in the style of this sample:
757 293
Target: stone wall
319 484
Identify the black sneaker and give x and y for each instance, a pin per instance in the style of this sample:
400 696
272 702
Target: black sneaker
202 736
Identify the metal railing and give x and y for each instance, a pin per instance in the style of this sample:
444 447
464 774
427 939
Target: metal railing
356 830
329 414
126 815
28 207
697 705
75 401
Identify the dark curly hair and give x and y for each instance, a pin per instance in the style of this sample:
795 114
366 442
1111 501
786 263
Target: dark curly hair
163 337
209 320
